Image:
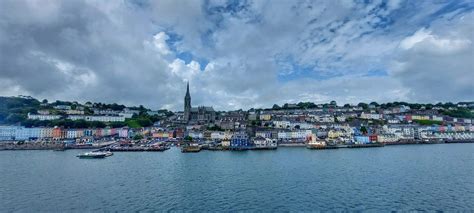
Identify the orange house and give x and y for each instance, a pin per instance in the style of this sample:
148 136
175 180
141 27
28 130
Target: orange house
59 133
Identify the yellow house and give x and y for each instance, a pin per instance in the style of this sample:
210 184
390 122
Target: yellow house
265 117
335 133
225 142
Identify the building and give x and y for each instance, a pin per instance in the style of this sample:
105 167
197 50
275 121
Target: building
240 140
40 117
261 142
102 118
201 114
62 107
74 112
265 117
187 104
7 133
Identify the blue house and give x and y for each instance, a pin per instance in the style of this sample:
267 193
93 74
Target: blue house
240 141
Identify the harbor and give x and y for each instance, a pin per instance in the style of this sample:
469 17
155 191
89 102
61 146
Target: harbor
215 181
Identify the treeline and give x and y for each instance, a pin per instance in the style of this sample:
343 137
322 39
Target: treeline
459 113
14 110
310 105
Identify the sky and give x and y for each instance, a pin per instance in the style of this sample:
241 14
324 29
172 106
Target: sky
237 54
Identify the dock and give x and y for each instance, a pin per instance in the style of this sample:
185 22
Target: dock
136 149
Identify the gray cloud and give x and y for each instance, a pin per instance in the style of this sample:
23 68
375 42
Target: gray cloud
436 64
128 52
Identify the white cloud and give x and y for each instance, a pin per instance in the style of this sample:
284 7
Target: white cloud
159 40
437 64
118 51
423 40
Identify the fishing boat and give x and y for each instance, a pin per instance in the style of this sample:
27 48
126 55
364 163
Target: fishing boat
191 148
90 155
108 153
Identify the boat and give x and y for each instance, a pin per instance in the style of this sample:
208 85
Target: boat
90 155
108 153
191 148
366 145
319 144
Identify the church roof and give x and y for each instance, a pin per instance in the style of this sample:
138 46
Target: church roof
205 108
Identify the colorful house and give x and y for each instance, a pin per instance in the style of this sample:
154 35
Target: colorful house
240 140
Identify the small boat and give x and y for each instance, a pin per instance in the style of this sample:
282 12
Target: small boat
108 153
90 155
191 148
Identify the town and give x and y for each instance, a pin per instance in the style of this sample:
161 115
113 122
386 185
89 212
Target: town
68 125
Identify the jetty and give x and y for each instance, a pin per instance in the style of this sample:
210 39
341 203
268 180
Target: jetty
137 149
32 146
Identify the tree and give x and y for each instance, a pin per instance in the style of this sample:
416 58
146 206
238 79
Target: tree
347 106
45 101
363 105
188 138
374 103
363 129
15 118
144 122
276 107
137 137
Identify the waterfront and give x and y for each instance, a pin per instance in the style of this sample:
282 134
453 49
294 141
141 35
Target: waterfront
415 177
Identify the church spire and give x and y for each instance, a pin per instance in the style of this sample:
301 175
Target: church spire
187 89
187 104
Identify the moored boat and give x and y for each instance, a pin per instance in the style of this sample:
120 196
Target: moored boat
90 155
191 148
366 145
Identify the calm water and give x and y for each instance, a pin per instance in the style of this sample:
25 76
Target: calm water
415 177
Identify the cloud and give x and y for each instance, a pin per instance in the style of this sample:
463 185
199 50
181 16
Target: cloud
236 54
436 64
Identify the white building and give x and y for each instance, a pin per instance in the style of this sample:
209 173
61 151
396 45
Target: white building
43 117
401 131
74 112
281 124
46 132
103 118
261 142
7 133
62 107
126 114
373 116
71 134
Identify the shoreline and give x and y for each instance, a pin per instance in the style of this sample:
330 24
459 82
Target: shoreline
61 146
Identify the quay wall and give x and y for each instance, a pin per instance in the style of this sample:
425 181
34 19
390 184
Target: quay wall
31 146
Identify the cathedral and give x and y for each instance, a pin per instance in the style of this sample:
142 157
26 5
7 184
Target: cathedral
199 114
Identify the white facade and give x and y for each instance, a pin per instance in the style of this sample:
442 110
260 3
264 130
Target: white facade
46 132
123 133
7 132
196 134
264 142
303 134
281 124
71 134
74 112
43 117
373 116
126 114
97 118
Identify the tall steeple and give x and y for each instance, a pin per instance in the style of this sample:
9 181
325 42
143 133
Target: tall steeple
187 90
187 104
